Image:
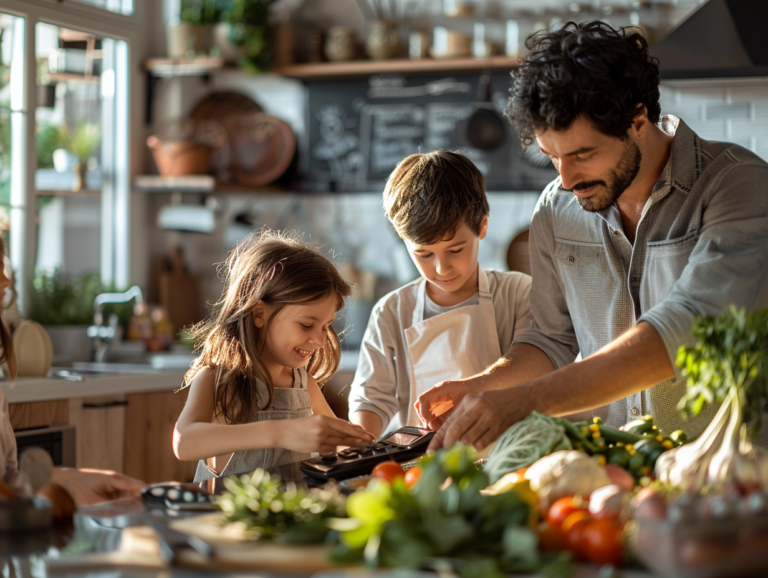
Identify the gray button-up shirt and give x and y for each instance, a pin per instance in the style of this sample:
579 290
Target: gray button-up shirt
701 244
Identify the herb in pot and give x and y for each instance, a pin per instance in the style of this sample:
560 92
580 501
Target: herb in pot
268 509
727 364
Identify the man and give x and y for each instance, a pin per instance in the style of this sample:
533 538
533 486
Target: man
646 227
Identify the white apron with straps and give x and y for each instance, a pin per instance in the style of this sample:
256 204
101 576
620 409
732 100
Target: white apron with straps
452 345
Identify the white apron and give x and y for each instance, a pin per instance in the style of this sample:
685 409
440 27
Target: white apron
452 345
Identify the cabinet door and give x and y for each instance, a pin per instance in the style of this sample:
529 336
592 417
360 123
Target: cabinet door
37 414
100 425
149 422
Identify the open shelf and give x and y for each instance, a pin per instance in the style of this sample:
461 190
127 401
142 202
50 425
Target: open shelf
196 184
401 66
168 67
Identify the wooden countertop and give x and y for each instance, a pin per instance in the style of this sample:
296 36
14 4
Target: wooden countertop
29 389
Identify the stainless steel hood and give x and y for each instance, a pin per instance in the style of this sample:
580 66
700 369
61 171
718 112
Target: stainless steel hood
721 39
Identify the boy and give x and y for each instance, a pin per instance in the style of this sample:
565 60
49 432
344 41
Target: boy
453 321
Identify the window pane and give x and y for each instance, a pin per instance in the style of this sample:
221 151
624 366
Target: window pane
69 150
119 6
11 123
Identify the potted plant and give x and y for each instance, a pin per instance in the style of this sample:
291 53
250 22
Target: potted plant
191 33
81 145
64 306
244 34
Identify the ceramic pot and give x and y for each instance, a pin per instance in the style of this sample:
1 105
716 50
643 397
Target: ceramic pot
221 38
63 160
80 176
340 44
177 158
70 343
183 39
383 40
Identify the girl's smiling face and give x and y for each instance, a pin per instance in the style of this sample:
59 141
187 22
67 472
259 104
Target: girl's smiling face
294 332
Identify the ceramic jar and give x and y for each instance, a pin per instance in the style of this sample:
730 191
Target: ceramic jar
340 44
383 40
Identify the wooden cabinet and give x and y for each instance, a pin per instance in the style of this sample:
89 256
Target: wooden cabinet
100 429
39 414
148 451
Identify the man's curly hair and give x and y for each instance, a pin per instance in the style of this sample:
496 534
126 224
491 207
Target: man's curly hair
588 69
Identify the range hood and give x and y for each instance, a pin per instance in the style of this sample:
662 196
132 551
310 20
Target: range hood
721 39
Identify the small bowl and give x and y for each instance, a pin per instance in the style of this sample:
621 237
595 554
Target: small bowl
703 548
25 514
353 484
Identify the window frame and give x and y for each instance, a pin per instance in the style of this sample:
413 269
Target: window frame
115 212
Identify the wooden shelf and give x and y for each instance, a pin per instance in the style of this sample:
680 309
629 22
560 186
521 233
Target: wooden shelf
401 66
67 193
71 77
198 66
196 184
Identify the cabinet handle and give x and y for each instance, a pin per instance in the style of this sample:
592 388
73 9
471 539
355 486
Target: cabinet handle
116 403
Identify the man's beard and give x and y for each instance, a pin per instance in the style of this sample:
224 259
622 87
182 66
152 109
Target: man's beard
621 178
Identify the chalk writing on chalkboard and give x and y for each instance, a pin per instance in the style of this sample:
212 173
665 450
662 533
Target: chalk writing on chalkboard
338 144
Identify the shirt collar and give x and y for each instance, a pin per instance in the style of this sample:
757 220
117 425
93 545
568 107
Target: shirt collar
684 165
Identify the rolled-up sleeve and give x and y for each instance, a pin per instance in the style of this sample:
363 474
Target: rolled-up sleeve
374 387
551 328
729 262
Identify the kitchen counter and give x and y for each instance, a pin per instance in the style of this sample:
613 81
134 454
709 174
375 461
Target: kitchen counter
31 389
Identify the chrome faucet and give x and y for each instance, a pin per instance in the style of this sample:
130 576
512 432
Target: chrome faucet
103 335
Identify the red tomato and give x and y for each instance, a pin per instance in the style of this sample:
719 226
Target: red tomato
412 476
551 539
388 471
573 530
601 542
562 508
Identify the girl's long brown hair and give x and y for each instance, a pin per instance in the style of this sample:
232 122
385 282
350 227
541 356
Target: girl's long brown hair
278 269
7 355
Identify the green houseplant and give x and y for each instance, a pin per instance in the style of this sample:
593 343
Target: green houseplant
191 33
63 304
244 35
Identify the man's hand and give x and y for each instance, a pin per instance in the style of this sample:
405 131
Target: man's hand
93 486
480 418
436 405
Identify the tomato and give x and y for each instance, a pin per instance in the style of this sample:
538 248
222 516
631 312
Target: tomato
573 530
551 538
412 476
388 471
562 508
601 542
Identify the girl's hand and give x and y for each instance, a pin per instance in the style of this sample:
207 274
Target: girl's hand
320 433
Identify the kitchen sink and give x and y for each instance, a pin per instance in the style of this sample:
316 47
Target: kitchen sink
152 363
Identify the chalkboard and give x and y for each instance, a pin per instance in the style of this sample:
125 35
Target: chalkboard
358 130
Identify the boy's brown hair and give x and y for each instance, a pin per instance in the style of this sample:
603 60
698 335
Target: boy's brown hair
429 195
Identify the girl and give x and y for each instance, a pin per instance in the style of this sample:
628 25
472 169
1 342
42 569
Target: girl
254 399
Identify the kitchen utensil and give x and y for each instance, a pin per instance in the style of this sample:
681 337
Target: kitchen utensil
34 352
519 253
173 494
171 541
485 128
263 147
179 292
401 445
227 108
37 465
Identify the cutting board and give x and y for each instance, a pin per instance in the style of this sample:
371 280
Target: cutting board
178 292
139 550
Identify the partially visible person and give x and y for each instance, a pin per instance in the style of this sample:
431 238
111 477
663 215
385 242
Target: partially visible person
265 351
647 226
85 486
457 318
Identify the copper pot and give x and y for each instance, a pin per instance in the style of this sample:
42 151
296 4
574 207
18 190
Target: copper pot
177 158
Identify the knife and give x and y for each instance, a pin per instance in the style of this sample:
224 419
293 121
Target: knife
171 541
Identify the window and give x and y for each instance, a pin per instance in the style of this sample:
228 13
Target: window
64 127
118 6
